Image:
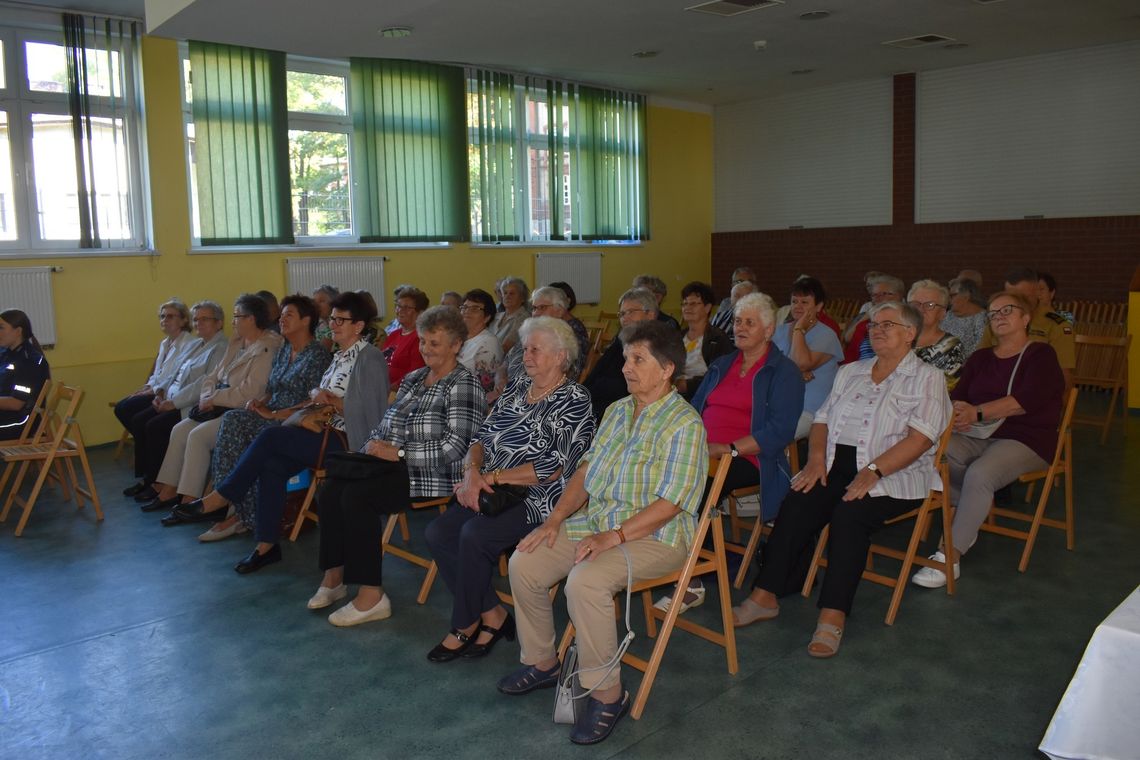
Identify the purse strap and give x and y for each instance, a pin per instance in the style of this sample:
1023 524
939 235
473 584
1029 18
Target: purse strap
624 645
1009 389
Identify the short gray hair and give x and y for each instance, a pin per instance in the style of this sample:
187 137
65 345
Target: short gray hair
328 290
557 329
557 296
652 283
761 303
442 318
741 289
943 293
519 283
896 285
969 288
213 306
640 296
176 304
909 315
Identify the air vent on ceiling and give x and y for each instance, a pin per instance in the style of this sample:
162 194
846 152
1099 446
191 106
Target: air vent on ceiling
733 7
921 40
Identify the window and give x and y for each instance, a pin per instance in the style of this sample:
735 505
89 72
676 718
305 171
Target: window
59 192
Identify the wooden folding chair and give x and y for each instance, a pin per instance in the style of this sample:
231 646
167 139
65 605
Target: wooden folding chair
387 547
596 329
125 438
756 529
38 428
935 499
1102 363
64 445
32 426
699 562
306 512
1061 466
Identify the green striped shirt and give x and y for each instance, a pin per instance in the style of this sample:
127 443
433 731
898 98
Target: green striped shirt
662 454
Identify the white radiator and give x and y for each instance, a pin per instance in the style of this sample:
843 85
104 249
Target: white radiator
343 273
582 270
29 290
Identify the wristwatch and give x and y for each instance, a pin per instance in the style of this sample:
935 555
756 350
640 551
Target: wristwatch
875 469
400 453
980 417
735 451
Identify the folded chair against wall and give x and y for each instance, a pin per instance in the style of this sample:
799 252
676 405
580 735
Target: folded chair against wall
1102 363
64 445
1060 467
699 562
911 556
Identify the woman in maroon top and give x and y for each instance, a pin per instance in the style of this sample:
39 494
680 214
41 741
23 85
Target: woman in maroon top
402 346
1019 383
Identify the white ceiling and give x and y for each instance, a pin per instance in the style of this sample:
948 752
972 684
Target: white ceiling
702 58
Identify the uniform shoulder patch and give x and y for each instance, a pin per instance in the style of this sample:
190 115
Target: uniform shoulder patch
1057 318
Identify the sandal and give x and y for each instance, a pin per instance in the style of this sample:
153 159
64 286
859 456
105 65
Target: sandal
826 636
749 612
527 679
597 721
440 653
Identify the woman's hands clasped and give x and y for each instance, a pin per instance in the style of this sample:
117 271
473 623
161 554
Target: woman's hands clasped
467 490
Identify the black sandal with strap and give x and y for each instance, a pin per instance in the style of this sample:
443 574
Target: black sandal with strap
506 630
440 653
597 721
527 679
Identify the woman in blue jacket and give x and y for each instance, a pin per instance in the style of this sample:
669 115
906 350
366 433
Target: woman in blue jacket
23 371
750 401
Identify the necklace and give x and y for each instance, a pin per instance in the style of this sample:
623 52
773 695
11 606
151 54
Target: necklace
531 398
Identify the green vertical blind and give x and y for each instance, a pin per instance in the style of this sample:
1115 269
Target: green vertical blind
494 160
409 155
613 166
241 144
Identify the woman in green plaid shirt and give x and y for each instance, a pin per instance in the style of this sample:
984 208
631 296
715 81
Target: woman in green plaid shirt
643 478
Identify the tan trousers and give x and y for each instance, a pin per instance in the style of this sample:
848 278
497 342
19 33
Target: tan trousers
590 589
187 462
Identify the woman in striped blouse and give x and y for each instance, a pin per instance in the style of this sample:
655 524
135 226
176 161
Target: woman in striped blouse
871 458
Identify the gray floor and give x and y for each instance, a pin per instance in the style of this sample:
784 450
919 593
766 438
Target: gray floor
128 640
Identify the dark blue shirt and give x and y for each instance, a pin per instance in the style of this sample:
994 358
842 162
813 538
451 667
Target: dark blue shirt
23 372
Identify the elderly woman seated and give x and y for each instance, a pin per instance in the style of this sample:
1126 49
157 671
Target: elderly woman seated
152 426
882 288
1017 384
239 378
401 347
939 349
297 369
750 402
534 437
513 293
703 342
354 389
812 345
606 382
642 478
549 301
323 296
423 437
482 353
966 316
871 458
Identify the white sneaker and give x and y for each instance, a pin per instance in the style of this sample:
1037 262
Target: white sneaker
326 596
349 615
930 577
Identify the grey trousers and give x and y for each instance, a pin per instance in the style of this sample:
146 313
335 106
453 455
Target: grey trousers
187 462
590 589
978 468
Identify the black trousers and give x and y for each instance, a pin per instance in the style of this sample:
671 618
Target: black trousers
351 529
741 474
466 547
151 431
128 407
803 515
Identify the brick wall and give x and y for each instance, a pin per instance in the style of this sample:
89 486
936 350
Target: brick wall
1091 257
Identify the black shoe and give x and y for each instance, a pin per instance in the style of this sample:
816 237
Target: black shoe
255 561
506 630
145 494
192 512
136 489
159 505
440 653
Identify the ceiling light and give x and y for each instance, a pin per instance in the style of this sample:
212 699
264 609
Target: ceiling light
396 32
814 15
647 54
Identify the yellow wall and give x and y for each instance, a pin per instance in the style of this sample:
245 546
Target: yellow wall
106 307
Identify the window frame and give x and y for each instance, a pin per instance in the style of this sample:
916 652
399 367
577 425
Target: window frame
22 104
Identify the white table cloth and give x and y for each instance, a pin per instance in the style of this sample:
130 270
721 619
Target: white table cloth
1099 716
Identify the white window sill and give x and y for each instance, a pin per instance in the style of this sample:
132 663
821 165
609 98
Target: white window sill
74 253
200 250
561 244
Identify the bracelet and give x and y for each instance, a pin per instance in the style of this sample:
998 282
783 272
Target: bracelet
495 476
799 330
467 466
621 534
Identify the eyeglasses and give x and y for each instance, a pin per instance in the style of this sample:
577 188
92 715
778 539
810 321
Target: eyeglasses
885 325
205 319
338 321
470 307
536 307
738 281
1004 311
162 317
926 305
629 313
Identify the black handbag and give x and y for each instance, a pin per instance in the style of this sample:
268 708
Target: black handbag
501 499
367 482
214 413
